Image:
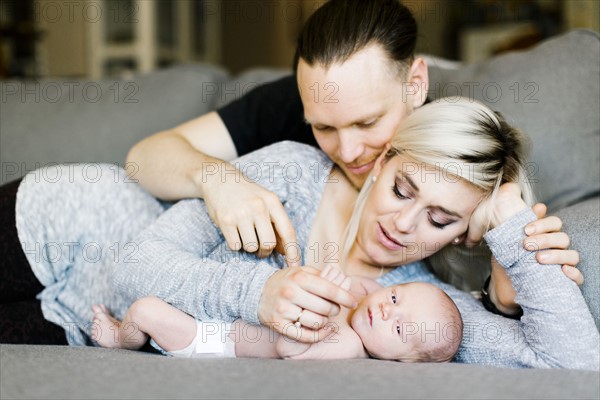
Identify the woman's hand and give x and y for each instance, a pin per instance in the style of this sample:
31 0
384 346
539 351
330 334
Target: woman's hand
296 291
249 216
488 214
507 204
543 234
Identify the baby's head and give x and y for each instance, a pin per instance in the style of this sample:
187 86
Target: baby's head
412 322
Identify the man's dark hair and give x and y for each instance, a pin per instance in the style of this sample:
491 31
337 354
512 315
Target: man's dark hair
340 28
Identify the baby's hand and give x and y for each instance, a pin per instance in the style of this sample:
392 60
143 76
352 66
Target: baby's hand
334 275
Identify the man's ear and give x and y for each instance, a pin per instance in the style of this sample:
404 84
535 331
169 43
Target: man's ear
418 82
380 161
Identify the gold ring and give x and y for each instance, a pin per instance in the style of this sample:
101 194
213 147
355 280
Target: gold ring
297 323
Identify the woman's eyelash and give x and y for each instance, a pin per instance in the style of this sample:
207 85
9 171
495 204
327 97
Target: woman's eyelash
397 193
438 225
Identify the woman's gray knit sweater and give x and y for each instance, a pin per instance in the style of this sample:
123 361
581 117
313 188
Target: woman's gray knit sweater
89 227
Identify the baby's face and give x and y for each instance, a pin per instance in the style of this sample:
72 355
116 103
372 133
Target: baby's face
394 322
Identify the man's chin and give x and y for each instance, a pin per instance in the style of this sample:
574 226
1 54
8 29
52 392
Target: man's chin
356 180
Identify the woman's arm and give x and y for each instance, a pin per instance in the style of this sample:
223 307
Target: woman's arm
556 330
183 260
557 327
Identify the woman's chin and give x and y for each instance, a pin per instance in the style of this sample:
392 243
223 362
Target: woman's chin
387 260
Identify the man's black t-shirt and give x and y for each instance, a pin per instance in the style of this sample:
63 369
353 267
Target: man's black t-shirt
267 114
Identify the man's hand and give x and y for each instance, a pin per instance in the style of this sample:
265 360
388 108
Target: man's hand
297 291
545 234
248 215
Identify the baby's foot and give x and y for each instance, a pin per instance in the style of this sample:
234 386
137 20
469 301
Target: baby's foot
105 329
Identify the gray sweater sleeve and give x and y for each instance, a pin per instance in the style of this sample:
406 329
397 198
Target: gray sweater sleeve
183 258
557 327
556 330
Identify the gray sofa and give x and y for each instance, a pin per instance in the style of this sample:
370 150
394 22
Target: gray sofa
552 92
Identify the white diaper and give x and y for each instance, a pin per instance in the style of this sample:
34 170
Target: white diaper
211 341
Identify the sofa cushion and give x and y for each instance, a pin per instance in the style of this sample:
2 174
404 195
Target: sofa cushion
582 223
60 372
55 121
551 92
241 84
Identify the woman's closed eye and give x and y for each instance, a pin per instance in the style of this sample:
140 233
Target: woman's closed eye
438 223
397 191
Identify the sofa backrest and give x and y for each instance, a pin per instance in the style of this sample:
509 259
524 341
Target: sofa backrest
57 121
551 92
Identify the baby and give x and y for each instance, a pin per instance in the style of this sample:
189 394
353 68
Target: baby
412 322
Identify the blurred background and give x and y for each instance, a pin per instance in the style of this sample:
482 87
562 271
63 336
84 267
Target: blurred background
111 38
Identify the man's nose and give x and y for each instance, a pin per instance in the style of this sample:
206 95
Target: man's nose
350 146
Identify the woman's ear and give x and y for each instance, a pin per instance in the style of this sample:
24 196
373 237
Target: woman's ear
418 82
379 163
459 239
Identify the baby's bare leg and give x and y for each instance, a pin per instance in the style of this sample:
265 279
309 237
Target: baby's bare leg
171 328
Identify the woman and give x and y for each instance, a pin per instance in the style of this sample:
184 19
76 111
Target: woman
447 161
369 42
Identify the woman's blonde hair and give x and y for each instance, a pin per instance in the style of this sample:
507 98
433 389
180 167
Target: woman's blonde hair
459 137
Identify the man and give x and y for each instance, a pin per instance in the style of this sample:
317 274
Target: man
356 79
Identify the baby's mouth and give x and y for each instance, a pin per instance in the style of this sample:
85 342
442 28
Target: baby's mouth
370 317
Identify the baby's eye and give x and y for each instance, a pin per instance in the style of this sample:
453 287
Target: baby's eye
398 329
393 298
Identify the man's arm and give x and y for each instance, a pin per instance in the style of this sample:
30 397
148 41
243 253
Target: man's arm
171 164
187 162
191 161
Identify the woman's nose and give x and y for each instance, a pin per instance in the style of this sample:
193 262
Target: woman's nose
405 219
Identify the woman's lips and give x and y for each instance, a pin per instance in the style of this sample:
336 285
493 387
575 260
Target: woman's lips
386 240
